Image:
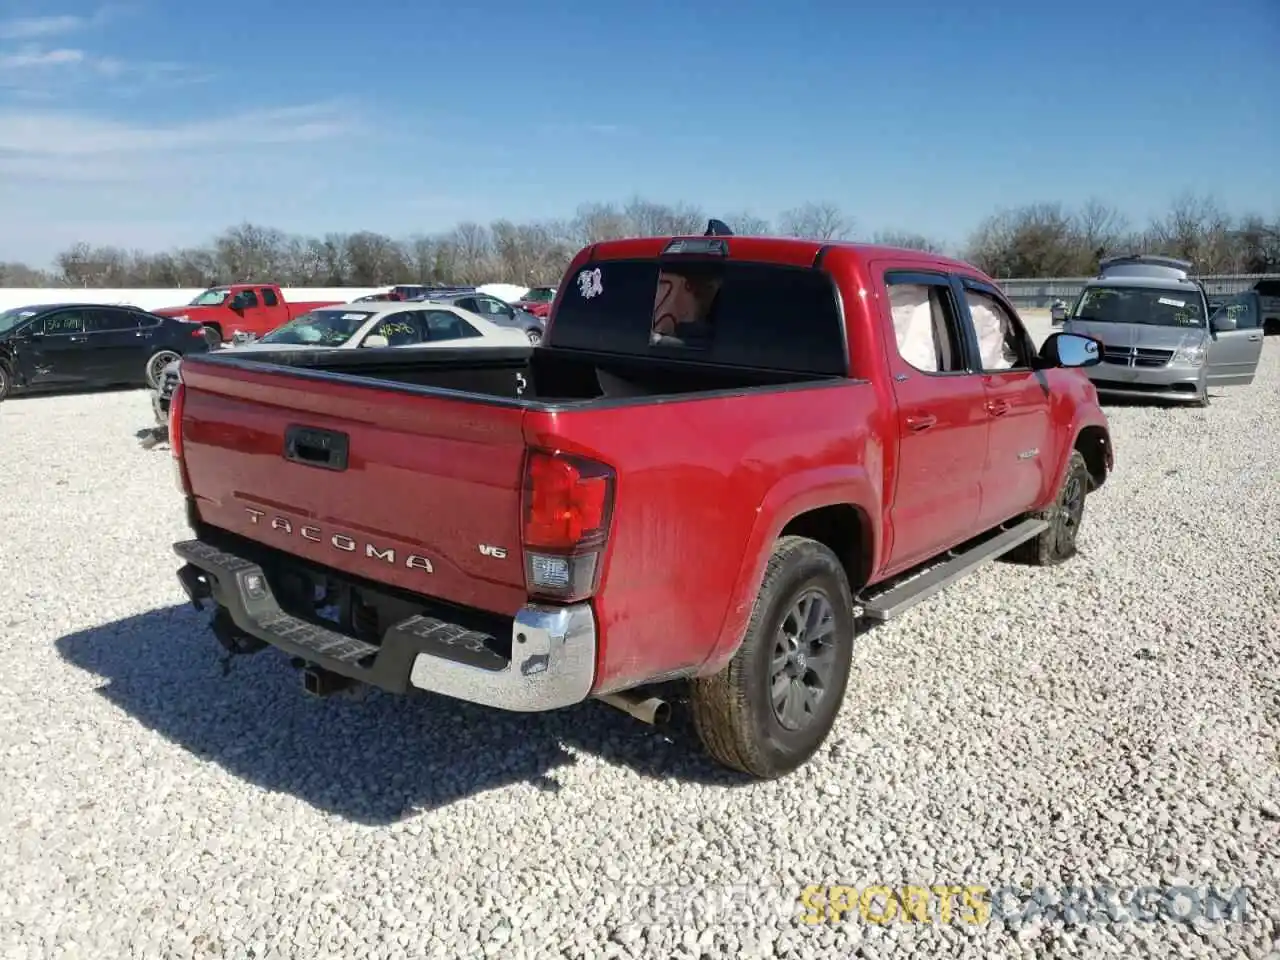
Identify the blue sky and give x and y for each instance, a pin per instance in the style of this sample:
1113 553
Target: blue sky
153 124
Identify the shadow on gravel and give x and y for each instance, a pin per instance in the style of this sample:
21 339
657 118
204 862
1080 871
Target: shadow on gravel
33 394
374 761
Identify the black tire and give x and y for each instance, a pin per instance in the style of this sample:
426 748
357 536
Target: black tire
733 711
535 336
1059 542
6 382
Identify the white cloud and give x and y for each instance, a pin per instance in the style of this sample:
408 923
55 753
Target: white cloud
51 135
36 28
31 58
77 176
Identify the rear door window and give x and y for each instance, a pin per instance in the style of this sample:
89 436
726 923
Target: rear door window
736 313
64 322
446 325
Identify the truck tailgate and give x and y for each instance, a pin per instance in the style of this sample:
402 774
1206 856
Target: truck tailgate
428 498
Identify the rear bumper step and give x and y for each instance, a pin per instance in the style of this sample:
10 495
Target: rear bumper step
553 649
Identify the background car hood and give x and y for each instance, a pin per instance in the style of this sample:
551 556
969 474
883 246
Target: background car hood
1137 334
259 345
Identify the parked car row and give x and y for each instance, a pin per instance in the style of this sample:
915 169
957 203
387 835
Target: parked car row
714 463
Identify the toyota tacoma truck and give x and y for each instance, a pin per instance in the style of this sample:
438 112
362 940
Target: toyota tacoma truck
242 310
727 458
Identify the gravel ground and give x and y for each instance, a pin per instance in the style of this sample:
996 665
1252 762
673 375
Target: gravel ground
1113 721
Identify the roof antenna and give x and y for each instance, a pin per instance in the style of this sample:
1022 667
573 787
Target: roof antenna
717 228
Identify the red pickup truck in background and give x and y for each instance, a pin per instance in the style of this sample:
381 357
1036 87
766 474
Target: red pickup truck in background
249 308
729 455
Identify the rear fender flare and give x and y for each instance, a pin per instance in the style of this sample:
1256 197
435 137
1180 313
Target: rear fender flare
789 498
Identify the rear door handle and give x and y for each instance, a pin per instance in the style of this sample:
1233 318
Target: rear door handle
1255 336
923 422
998 408
74 339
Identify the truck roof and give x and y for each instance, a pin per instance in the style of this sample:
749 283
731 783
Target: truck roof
788 250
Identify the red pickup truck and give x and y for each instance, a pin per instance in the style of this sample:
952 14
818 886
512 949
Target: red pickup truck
729 455
250 308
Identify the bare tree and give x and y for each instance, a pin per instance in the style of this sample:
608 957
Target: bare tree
1040 239
908 241
746 224
816 221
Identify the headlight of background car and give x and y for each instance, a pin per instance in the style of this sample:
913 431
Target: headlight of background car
181 316
1190 354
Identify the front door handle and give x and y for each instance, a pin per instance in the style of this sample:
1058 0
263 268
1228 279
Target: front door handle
998 408
74 339
1255 336
923 422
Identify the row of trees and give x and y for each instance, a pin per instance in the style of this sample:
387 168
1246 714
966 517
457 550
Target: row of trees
1039 240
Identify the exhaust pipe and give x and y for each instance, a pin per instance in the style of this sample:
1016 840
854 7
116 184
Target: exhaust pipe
651 710
321 683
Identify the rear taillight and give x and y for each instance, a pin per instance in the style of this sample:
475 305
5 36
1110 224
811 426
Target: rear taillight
568 503
177 400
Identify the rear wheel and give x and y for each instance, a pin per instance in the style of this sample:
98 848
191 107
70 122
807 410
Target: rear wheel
770 709
535 336
155 366
6 383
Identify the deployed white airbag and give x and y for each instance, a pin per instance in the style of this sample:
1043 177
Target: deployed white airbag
990 326
913 325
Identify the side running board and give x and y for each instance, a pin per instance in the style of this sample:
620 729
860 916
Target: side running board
885 603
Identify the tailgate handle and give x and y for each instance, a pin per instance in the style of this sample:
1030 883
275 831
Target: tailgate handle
315 447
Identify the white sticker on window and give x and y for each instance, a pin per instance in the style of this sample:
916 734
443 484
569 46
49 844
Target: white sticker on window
1173 303
353 316
590 283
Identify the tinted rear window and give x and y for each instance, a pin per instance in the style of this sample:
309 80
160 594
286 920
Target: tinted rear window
714 311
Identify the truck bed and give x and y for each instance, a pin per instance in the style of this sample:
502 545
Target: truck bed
434 452
524 374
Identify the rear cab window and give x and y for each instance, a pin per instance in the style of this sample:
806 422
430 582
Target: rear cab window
708 310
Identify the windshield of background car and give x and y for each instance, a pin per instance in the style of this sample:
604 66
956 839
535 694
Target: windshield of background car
11 318
1146 305
320 328
210 298
737 313
540 295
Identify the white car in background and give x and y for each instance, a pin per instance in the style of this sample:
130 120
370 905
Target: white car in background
405 325
409 323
